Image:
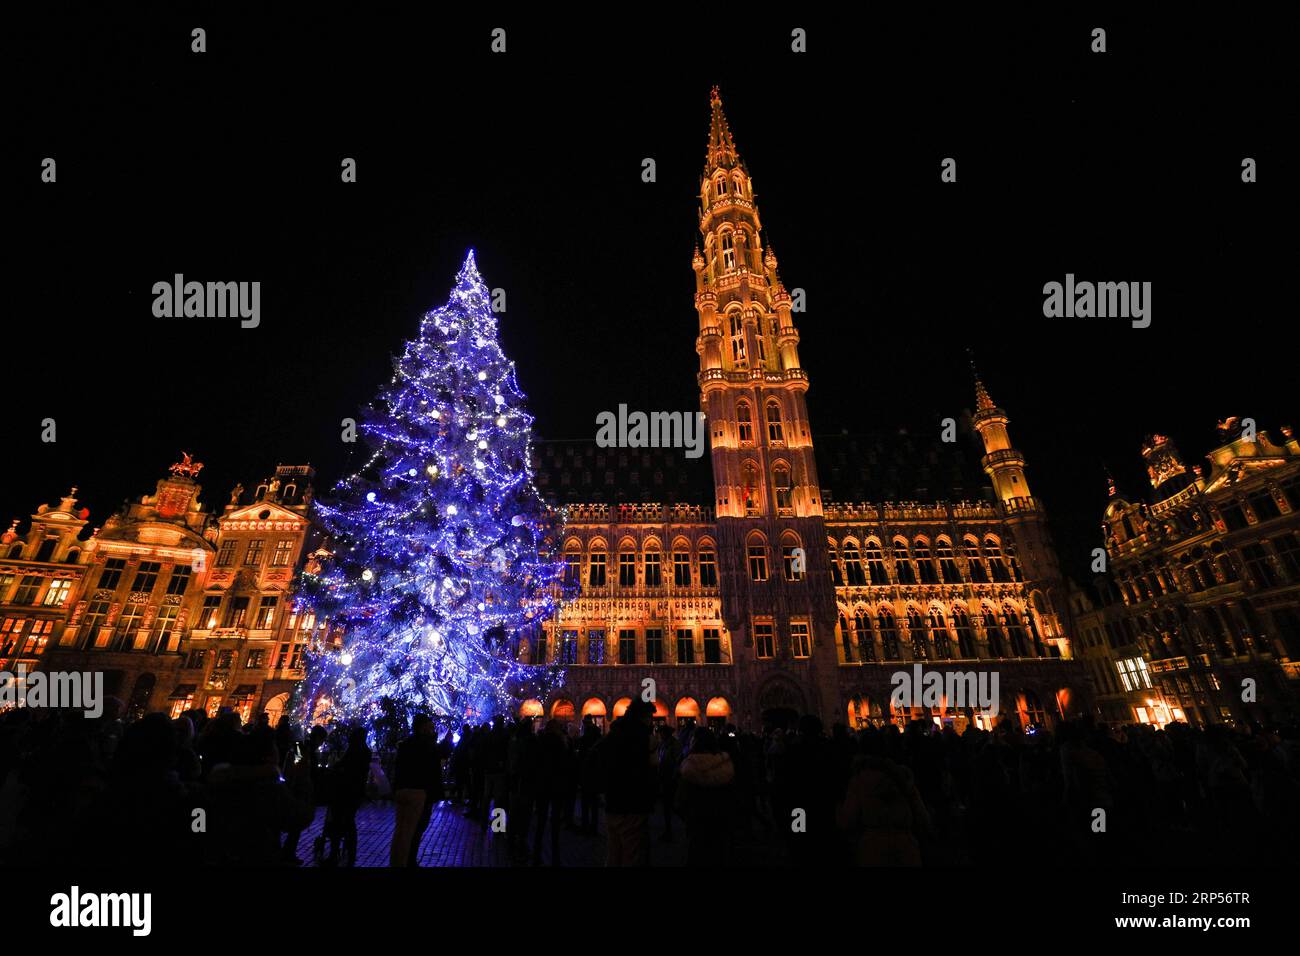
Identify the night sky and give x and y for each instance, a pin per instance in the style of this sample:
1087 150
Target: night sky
225 167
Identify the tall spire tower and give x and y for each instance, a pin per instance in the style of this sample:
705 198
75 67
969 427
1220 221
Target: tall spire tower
1005 466
752 386
778 599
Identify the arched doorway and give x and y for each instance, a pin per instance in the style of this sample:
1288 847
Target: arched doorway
718 713
138 705
780 703
620 706
531 708
1065 702
275 708
687 712
660 716
863 712
595 709
563 710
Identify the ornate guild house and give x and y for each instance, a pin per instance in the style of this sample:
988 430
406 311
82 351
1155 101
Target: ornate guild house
773 598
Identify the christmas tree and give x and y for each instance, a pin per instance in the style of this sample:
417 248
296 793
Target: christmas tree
443 559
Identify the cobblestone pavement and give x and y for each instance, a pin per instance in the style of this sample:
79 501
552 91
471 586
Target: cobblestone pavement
454 839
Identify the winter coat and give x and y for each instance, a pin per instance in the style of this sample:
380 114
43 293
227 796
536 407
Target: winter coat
704 793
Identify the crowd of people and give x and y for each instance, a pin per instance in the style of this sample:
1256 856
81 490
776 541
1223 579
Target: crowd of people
200 790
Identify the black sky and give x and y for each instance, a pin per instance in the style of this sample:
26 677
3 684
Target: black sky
225 166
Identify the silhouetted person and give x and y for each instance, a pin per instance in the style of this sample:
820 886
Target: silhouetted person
590 783
883 814
347 791
416 770
705 796
250 805
557 779
669 759
629 758
807 780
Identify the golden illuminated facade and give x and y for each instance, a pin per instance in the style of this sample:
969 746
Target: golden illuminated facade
179 608
774 601
1202 590
139 594
40 573
246 648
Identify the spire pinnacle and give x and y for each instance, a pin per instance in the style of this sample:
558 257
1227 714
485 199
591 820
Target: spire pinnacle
982 400
722 148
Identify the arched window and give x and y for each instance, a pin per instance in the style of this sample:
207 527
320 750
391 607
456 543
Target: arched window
681 563
572 563
1016 630
721 185
853 565
756 552
728 248
876 563
775 433
781 486
862 627
627 565
992 627
903 563
744 424
978 573
793 558
965 636
708 565
751 491
596 567
737 338
46 550
653 566
888 634
939 634
998 567
947 563
846 640
919 633
837 575
924 563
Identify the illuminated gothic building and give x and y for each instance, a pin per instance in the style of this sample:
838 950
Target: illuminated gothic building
246 648
1200 609
179 608
139 593
39 574
771 597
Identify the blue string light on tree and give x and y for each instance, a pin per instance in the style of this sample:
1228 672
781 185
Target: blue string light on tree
445 555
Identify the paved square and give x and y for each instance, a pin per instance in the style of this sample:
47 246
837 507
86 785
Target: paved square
454 839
